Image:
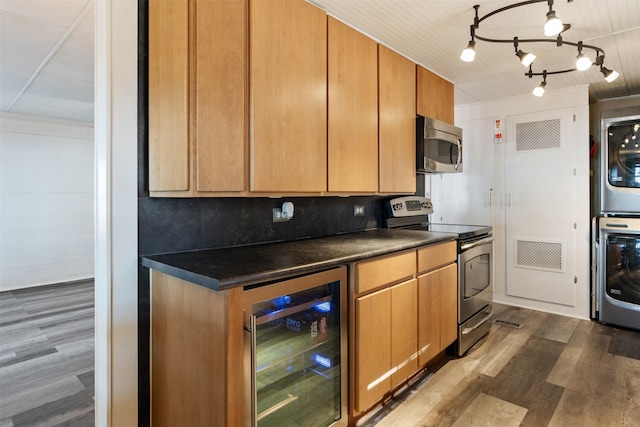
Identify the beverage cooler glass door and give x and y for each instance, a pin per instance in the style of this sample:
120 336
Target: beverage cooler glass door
298 356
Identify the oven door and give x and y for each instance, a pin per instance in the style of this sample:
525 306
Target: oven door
474 277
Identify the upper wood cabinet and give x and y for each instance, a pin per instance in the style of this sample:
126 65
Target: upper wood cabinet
221 93
353 110
168 95
197 96
289 102
434 96
397 127
288 107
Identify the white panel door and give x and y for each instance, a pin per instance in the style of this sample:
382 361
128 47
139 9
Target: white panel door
467 197
540 213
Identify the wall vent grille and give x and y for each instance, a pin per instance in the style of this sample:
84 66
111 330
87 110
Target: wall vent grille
539 255
542 135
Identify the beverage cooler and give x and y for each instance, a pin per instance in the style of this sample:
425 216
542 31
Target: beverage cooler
295 352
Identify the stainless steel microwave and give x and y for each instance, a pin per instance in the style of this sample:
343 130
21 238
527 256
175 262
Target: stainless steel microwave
439 146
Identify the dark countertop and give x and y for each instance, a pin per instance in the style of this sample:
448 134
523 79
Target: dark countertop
226 268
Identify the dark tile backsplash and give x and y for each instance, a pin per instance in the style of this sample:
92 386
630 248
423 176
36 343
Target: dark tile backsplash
174 225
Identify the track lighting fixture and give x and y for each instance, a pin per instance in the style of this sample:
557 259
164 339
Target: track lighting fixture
469 53
609 75
539 90
526 58
552 27
582 62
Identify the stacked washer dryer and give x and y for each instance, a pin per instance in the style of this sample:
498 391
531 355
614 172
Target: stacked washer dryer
617 295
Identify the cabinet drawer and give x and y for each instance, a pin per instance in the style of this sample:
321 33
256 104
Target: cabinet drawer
436 256
383 271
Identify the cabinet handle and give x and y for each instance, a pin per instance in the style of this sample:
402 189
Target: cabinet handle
509 199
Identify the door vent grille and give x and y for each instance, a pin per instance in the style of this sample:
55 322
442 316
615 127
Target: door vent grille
539 255
542 135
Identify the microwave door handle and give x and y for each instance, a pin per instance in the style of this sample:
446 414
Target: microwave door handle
459 153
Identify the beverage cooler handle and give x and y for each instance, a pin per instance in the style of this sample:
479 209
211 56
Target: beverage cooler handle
254 366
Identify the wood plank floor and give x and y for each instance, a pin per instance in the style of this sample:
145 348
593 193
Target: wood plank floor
554 371
47 356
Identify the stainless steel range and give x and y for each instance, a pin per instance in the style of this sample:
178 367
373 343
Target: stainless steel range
475 252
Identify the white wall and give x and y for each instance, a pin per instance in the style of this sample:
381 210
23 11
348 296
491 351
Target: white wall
577 99
46 201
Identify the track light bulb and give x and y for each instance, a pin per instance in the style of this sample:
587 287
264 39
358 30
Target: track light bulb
553 26
609 75
469 53
539 90
526 58
583 63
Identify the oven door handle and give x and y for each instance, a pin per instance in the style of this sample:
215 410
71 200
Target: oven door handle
466 331
475 244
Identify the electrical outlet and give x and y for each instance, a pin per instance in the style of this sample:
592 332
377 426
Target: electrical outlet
358 210
278 216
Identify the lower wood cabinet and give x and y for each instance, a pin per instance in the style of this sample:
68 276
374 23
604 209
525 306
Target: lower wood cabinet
404 331
373 348
196 354
404 314
437 311
386 341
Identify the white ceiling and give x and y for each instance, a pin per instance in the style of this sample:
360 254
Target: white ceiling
46 58
434 32
46 47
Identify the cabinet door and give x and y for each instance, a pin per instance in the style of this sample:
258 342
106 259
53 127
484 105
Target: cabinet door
437 311
168 95
397 137
372 348
428 317
434 96
221 95
404 330
288 86
426 93
448 305
353 110
445 101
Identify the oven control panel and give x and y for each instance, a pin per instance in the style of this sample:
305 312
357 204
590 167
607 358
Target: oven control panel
409 206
